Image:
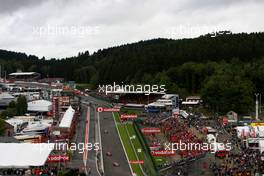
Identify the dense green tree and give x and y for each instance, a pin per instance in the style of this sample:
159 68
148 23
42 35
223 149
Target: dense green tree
147 79
12 104
4 114
10 111
225 92
21 106
215 67
2 127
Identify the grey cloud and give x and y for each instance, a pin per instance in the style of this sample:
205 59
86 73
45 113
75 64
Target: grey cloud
10 6
117 21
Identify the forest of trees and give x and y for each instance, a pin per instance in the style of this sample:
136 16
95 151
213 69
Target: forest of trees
227 70
14 108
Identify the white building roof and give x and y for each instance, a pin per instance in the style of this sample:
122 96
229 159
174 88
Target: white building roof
156 104
14 121
22 73
39 106
194 97
22 155
67 118
5 95
169 96
190 102
184 113
134 105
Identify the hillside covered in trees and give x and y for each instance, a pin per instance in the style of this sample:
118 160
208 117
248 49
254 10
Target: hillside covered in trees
226 70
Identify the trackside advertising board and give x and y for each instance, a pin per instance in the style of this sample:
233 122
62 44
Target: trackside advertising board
128 116
101 109
150 130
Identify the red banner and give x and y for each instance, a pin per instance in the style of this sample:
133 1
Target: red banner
137 162
58 158
163 153
130 116
101 109
150 130
155 147
225 121
174 138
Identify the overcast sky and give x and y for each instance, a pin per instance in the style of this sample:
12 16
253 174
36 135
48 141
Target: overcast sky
62 28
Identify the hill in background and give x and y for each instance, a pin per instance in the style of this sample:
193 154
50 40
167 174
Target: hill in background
226 70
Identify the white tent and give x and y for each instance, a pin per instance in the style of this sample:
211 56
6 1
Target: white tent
39 106
67 118
23 155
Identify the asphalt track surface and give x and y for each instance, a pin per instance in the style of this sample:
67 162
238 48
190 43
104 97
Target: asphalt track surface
110 143
77 161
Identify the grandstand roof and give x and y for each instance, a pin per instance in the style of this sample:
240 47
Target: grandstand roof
22 73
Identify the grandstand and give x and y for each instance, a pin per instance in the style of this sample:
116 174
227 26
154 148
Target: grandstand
24 76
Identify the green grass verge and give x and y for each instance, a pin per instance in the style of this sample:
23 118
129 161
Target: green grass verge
130 111
132 156
136 142
149 160
83 86
159 160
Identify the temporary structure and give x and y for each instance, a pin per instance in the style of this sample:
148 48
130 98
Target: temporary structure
67 118
23 155
40 106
